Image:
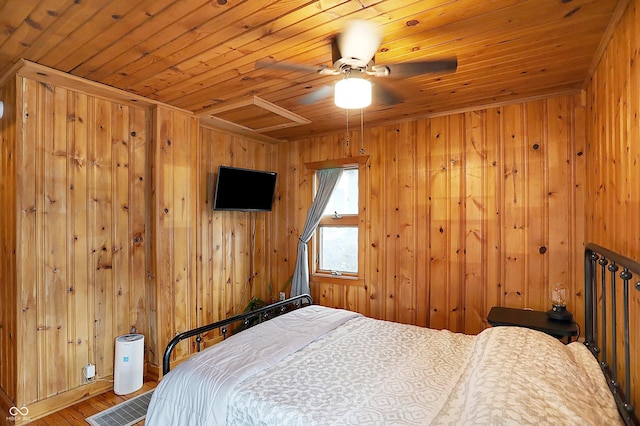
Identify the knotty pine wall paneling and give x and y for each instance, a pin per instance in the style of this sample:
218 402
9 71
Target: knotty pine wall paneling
481 236
464 212
612 207
404 221
446 208
284 227
8 245
113 232
75 181
375 281
234 248
204 265
613 155
172 275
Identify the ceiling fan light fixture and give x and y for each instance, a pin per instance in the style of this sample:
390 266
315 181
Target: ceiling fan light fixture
353 93
359 42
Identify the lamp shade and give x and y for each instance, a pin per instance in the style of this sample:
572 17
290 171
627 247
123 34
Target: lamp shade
359 42
353 93
559 295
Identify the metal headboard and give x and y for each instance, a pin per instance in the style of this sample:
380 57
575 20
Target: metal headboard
247 319
602 270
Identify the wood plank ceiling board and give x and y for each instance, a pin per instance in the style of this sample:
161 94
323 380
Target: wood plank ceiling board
201 55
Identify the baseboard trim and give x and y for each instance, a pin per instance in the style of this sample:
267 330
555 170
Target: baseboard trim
5 405
66 399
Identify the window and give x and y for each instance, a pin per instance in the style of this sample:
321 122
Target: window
338 242
337 236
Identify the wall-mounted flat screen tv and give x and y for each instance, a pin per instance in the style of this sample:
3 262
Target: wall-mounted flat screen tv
244 189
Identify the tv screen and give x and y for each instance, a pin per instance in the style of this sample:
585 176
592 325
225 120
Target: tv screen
244 189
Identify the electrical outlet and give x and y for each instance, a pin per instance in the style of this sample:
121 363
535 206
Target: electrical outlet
89 372
282 295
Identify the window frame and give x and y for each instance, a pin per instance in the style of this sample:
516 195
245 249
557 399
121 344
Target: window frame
345 278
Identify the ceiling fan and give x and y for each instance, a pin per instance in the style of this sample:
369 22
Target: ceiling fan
353 53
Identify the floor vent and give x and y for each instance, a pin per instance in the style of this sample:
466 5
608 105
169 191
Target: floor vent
124 414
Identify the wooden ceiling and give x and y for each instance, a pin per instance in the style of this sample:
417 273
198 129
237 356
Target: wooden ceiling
200 55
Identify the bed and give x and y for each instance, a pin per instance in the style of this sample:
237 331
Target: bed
322 366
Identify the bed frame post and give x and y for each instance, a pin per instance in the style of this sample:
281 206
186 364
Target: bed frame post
613 268
626 276
603 287
591 319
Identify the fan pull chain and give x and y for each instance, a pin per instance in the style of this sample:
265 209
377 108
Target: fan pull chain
346 137
361 131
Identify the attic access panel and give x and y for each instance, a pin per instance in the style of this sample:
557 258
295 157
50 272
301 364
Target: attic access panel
255 114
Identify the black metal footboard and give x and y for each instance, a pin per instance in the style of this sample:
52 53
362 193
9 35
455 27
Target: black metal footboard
247 319
610 278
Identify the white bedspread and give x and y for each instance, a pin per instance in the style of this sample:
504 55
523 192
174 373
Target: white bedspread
355 370
196 392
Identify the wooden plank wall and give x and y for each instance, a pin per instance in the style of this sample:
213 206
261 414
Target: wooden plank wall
464 212
115 228
234 248
80 221
205 265
172 198
614 133
8 244
613 160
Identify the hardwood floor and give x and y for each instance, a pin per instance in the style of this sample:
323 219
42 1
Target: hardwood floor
76 414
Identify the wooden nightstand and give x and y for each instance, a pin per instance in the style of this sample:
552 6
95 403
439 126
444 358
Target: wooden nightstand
535 320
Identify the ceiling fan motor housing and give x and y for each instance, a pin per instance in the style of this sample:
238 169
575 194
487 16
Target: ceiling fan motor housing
347 64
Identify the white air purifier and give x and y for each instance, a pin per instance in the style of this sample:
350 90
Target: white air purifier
128 366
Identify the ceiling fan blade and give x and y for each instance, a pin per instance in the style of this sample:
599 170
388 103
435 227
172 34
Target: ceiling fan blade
317 95
387 96
360 41
410 69
290 66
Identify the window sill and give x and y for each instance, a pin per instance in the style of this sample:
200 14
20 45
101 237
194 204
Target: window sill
336 279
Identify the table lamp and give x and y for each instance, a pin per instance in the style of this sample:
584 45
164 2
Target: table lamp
558 311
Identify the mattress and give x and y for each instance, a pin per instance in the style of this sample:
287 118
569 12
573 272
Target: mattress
323 366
